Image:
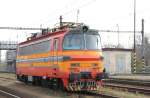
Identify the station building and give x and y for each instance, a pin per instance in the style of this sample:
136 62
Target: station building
117 60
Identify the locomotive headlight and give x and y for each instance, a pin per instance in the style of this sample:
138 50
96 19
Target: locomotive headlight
74 67
101 58
75 64
94 65
85 28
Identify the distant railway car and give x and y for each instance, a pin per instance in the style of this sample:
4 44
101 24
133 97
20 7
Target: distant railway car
67 57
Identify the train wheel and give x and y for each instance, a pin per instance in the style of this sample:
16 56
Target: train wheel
18 78
25 79
50 83
55 84
37 81
44 82
61 85
33 82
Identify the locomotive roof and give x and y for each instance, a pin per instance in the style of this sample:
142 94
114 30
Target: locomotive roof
42 37
68 26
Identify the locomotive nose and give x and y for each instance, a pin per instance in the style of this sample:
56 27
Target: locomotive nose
83 81
77 76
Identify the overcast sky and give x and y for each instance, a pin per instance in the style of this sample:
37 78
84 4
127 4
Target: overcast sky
98 14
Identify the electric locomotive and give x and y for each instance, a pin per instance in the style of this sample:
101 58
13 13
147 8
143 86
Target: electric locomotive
67 57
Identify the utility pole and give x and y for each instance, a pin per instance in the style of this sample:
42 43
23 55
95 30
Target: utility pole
77 15
0 57
142 32
134 25
0 54
134 48
118 34
60 18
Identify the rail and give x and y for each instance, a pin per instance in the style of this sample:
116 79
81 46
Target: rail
137 86
84 94
128 81
80 94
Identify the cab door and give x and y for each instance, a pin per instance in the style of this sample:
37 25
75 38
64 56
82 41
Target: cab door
55 66
55 51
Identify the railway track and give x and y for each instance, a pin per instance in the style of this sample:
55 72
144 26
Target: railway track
122 84
7 78
94 94
101 95
11 94
5 94
136 86
128 81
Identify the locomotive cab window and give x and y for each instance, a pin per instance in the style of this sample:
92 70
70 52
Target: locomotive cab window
89 41
73 41
92 42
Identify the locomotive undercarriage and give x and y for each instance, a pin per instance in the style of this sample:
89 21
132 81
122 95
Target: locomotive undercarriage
87 85
84 81
57 83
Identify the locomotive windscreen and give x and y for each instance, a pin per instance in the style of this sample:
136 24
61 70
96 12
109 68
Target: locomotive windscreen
82 41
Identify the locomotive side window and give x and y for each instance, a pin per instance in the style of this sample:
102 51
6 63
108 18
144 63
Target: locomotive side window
73 41
41 47
35 48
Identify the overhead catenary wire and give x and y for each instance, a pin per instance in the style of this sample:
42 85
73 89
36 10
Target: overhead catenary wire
20 28
30 28
113 31
79 7
71 10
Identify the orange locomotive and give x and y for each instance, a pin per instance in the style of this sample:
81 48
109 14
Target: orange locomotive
67 57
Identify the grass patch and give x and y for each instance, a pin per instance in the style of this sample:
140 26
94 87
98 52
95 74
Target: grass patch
3 64
8 75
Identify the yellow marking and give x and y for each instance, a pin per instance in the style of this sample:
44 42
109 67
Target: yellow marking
63 66
60 53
